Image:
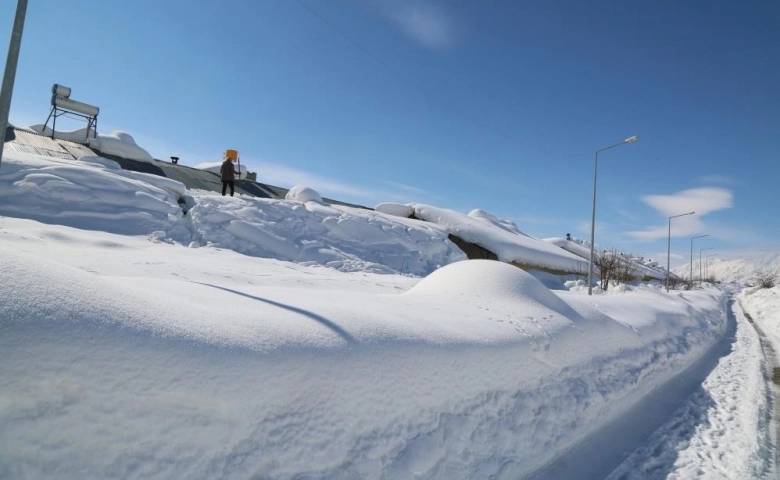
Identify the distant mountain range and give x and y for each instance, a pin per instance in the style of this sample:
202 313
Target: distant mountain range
737 270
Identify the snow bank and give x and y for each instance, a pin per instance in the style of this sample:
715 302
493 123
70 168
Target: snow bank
763 305
165 372
343 238
174 187
87 194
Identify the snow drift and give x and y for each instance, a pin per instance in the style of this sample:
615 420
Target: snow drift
147 356
88 194
160 379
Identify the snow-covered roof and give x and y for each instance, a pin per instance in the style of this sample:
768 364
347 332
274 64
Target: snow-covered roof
583 251
509 244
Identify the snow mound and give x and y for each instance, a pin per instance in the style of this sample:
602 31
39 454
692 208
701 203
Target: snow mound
299 193
121 144
488 279
395 209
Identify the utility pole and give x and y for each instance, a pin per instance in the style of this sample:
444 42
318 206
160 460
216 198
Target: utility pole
10 69
669 245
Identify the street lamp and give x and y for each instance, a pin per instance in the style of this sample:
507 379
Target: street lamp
593 216
700 250
692 239
669 245
10 69
707 263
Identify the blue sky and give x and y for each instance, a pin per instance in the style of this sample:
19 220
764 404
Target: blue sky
497 105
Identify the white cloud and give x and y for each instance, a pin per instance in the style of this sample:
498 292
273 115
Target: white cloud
424 22
286 177
700 200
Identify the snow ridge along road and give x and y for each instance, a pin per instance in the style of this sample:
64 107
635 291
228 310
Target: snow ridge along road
772 372
712 435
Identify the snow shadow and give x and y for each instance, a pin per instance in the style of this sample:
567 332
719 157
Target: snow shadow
681 400
317 318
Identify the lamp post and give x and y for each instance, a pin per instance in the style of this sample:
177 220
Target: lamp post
707 263
593 216
669 245
700 250
10 69
692 239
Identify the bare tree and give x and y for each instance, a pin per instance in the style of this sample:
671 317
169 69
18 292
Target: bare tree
675 282
606 261
624 270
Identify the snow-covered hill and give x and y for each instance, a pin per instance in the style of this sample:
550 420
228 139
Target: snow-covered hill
741 271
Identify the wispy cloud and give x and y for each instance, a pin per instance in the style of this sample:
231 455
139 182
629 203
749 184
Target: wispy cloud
700 200
660 257
425 22
404 188
716 180
628 214
285 176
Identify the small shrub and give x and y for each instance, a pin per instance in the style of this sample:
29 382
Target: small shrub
766 279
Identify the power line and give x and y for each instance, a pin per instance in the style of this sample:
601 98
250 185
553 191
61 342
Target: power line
414 84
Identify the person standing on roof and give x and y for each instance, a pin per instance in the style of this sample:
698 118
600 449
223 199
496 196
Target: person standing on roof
228 173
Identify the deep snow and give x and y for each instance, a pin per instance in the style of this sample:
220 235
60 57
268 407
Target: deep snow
139 341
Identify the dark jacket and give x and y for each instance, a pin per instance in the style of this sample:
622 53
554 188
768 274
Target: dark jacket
227 171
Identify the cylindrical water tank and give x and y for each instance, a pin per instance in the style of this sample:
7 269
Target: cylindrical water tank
60 90
74 106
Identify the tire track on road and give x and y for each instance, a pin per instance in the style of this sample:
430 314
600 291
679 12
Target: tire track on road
773 373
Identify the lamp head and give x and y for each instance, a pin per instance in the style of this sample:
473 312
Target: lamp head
631 139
